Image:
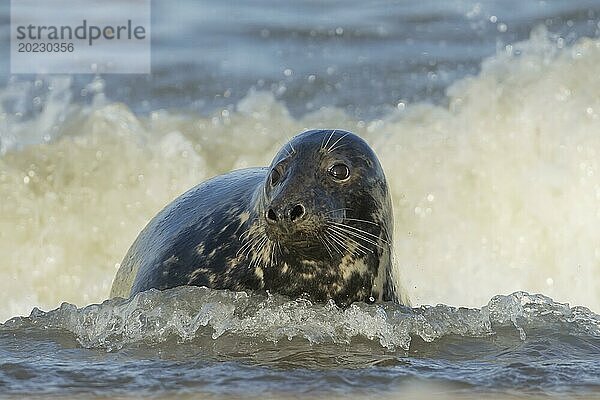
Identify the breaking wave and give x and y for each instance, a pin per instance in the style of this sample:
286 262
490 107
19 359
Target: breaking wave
494 193
190 313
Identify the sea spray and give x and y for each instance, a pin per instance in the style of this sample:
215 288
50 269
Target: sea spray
189 313
495 193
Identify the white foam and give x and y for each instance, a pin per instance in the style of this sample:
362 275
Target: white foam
188 313
496 193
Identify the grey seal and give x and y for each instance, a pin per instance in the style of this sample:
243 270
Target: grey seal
317 223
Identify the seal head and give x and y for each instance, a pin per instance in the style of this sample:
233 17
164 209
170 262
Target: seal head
326 215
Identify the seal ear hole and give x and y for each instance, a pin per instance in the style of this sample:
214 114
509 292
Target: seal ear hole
339 171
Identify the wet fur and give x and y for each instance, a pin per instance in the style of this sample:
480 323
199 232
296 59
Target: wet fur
216 234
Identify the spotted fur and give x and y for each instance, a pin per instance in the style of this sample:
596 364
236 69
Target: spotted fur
218 235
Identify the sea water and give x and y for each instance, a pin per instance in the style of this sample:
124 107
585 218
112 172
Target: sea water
486 118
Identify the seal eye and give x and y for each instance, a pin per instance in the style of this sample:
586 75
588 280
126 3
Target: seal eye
275 177
339 172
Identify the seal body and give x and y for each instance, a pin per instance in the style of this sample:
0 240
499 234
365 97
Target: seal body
317 223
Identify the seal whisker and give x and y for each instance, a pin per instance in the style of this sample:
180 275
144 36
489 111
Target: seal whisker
244 235
332 244
325 245
261 244
337 209
355 235
274 253
337 147
248 249
253 239
323 141
339 244
385 232
361 232
244 247
247 238
362 220
271 254
323 146
341 235
277 253
350 236
256 257
354 227
284 147
334 143
264 258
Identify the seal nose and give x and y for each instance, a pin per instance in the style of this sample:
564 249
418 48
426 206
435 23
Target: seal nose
271 215
292 214
296 212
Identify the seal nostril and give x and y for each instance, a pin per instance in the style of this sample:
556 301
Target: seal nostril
271 216
297 212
